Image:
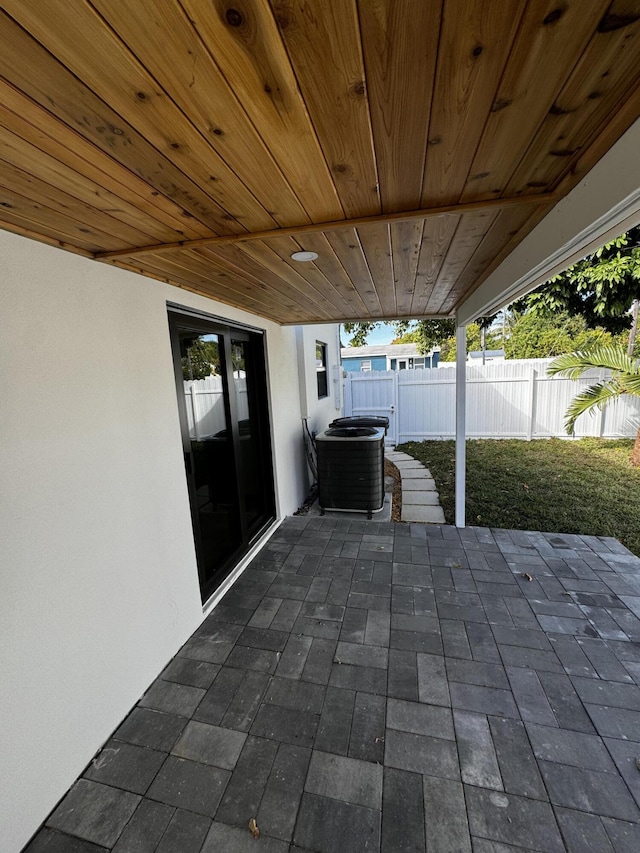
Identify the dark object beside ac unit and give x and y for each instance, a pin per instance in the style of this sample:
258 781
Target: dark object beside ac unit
351 469
379 421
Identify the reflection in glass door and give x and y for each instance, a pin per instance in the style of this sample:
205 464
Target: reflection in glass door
255 489
222 401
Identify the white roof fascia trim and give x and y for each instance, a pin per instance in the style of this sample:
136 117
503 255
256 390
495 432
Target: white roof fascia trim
611 190
617 221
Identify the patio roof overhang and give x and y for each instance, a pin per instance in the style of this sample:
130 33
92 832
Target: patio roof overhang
412 145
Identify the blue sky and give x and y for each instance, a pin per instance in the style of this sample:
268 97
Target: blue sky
384 334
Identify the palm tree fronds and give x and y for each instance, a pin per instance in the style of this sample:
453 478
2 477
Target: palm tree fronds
574 364
594 397
625 379
631 384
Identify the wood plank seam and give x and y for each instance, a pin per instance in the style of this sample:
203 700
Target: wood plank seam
403 216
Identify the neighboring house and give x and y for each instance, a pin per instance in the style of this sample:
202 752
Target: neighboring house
489 355
387 357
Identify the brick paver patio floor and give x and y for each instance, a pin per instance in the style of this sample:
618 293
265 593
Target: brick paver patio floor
368 686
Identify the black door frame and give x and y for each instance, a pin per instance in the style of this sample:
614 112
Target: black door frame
181 318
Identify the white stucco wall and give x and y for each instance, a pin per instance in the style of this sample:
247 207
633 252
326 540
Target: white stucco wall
320 412
98 574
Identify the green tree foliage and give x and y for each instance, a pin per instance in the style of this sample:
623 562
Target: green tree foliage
201 359
535 335
237 357
601 288
624 379
359 333
493 340
407 338
531 335
425 333
528 334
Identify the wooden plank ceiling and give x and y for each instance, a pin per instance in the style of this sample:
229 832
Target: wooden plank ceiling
411 144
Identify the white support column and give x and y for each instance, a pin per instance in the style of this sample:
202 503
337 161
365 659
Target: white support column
461 401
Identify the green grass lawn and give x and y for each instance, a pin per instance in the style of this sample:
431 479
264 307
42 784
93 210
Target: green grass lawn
586 486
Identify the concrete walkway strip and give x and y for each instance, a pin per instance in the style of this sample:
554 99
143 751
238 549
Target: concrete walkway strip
420 500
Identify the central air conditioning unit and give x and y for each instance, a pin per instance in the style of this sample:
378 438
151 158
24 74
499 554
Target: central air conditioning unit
351 469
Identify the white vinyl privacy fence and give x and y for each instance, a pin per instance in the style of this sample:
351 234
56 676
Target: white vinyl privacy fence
511 399
205 404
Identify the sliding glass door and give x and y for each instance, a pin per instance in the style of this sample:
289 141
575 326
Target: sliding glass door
222 401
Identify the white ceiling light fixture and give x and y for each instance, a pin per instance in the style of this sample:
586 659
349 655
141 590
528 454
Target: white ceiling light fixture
304 257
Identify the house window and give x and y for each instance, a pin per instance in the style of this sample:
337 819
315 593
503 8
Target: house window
365 366
321 369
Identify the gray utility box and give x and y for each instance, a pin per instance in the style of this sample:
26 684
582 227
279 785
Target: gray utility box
351 469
